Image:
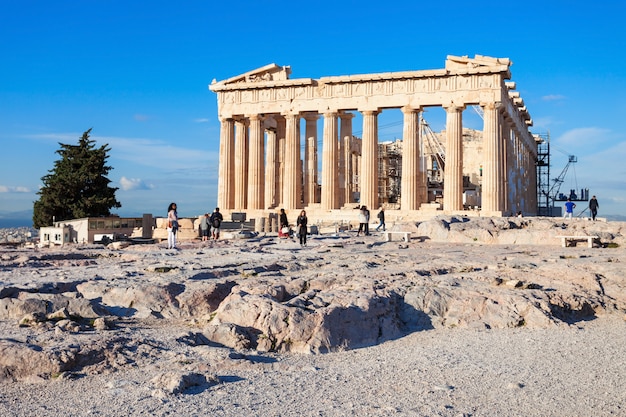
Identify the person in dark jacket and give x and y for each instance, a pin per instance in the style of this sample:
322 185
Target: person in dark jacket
381 218
594 206
283 229
216 221
301 223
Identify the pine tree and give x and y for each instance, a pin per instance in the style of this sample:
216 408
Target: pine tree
77 186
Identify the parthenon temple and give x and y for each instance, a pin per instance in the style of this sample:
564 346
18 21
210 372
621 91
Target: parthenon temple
269 155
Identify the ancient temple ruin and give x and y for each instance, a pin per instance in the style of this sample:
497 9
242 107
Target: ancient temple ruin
266 118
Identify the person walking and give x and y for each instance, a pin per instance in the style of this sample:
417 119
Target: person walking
204 227
569 209
381 218
367 221
172 225
594 206
301 223
216 220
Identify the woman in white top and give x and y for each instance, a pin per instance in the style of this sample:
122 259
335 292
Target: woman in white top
172 226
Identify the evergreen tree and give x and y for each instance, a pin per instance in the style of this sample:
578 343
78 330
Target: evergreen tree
78 186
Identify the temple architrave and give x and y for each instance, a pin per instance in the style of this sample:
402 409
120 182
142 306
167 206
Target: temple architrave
269 155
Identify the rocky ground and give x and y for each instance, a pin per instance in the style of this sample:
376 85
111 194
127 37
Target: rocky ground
471 317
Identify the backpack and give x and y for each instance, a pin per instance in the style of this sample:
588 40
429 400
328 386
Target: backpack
216 222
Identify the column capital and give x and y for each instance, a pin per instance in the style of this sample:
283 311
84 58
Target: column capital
411 109
343 115
453 107
311 116
492 105
370 112
255 116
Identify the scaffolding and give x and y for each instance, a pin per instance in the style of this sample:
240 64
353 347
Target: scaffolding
544 208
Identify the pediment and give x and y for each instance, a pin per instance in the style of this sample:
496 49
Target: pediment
271 72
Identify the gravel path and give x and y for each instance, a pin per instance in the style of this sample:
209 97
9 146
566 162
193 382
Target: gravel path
563 371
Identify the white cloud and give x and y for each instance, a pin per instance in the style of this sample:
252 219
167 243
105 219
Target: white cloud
128 184
201 120
553 97
585 138
145 152
18 189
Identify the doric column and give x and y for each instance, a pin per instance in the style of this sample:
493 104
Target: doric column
453 170
369 160
241 163
492 150
356 174
310 158
226 179
506 203
271 164
280 158
411 171
256 157
329 197
349 170
291 177
344 139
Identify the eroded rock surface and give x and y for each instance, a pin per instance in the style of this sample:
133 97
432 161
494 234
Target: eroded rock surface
83 308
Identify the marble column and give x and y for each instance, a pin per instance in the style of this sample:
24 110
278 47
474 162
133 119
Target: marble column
349 169
356 174
505 132
291 177
226 179
280 157
256 158
369 160
411 159
271 164
492 151
330 190
453 170
344 138
310 158
241 163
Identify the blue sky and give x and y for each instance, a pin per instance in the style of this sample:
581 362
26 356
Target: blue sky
137 73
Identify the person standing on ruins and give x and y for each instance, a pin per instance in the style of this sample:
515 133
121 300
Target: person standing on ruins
569 209
283 229
301 223
362 221
216 220
204 227
172 225
594 206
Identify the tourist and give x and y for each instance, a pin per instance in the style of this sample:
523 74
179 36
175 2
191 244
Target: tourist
569 208
594 206
216 220
381 218
301 222
362 220
204 227
283 229
367 221
172 226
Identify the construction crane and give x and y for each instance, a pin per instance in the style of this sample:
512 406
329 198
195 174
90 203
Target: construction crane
433 143
554 191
